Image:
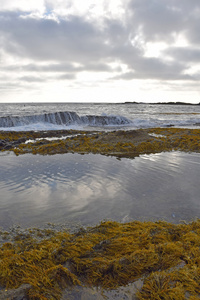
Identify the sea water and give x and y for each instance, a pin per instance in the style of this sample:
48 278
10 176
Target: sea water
87 189
101 116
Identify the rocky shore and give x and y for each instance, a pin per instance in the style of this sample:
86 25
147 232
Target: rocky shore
135 260
120 143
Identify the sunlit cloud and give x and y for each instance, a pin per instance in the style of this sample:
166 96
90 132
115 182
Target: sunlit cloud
104 46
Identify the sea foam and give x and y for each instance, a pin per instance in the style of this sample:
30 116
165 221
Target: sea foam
60 120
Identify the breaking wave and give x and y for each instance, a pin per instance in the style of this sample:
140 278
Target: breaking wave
64 119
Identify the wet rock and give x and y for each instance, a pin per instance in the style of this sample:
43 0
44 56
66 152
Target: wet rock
15 143
90 293
2 143
8 146
21 140
15 294
42 142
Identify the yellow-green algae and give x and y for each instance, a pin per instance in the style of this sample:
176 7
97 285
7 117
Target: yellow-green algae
166 256
117 143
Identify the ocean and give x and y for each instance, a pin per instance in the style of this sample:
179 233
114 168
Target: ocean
101 116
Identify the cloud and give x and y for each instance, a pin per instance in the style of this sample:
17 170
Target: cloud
157 19
22 5
152 75
61 40
186 55
163 20
66 76
31 79
47 40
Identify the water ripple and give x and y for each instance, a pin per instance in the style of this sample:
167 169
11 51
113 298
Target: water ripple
38 189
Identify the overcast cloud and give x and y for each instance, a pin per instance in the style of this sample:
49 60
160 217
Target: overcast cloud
114 50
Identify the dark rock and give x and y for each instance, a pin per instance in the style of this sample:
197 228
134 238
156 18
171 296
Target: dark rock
22 140
2 143
19 141
15 143
8 146
42 142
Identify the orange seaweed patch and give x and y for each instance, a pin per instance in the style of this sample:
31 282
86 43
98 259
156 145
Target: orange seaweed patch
164 255
118 143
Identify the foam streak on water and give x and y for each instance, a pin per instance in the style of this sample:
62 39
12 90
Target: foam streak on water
89 188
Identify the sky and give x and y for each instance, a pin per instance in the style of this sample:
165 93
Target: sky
99 51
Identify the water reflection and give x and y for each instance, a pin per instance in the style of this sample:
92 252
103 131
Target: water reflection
72 187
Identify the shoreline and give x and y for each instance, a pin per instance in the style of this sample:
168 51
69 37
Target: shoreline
128 144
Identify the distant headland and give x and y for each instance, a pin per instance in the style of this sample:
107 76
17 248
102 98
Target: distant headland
161 103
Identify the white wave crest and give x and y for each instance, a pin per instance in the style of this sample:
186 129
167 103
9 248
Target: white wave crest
60 120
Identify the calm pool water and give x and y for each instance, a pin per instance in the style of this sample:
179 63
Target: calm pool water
89 188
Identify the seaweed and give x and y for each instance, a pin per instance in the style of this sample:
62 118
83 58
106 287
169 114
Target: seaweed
117 143
164 255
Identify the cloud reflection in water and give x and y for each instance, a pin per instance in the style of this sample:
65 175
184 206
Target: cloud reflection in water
89 188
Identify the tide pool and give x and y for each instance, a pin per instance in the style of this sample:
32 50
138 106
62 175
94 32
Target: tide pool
89 188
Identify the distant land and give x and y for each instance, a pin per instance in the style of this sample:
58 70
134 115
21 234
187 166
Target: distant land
162 103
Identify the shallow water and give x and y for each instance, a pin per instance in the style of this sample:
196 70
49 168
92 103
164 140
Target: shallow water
89 188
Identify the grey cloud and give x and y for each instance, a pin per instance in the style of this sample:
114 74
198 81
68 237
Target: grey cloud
158 20
175 85
152 68
67 67
55 47
152 75
60 68
158 68
115 32
31 79
192 32
97 67
9 86
72 40
186 55
66 77
34 79
47 68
